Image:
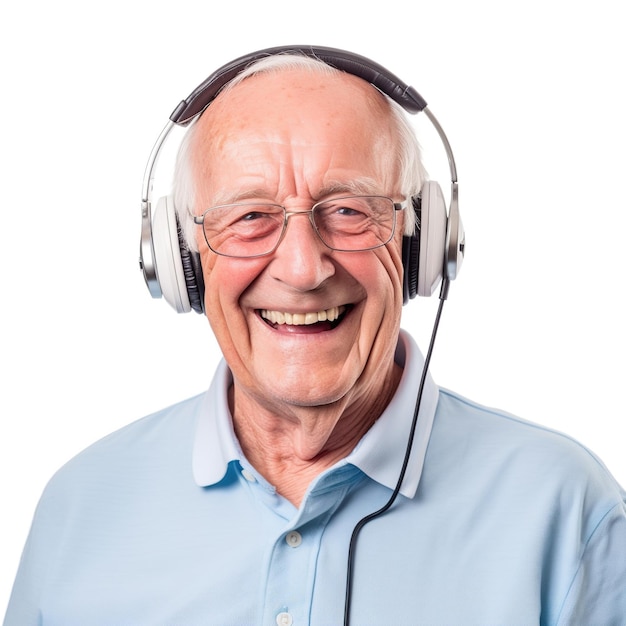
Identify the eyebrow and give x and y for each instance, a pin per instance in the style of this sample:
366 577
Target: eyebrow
240 196
359 186
356 186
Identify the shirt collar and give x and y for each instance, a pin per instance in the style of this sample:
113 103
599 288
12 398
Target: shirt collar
380 452
215 443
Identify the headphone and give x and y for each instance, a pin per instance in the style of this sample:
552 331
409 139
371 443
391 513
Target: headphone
435 251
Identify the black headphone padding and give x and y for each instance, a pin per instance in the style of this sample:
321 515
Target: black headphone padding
192 269
411 256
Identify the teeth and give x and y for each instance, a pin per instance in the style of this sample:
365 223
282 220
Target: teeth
302 319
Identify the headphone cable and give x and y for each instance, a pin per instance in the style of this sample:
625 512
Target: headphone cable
443 295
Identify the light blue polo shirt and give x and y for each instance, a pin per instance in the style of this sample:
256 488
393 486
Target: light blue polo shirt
165 523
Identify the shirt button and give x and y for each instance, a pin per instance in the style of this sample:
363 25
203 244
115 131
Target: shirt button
284 619
293 539
248 475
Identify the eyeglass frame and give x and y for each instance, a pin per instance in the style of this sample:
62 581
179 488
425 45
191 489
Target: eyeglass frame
397 206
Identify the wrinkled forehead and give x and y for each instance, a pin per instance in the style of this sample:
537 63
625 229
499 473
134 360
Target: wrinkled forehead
292 133
296 97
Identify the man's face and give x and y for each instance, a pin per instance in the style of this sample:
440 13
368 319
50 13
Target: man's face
294 139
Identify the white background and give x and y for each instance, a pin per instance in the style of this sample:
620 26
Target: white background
531 95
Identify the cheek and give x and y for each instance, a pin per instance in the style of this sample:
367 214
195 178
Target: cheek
391 262
396 267
225 280
388 300
381 276
391 300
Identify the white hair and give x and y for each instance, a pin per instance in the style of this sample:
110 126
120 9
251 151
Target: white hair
412 173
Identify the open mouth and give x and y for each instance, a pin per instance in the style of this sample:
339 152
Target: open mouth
314 321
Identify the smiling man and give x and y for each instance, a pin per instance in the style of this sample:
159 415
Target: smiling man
294 189
309 332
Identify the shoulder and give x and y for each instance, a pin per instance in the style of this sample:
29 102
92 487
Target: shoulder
487 426
537 491
491 442
146 446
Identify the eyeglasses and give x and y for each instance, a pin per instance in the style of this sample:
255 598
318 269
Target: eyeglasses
347 224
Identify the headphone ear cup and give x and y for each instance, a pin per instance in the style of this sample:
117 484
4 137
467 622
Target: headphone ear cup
433 222
167 255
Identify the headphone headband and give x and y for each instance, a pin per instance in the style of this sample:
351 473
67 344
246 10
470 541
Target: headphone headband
406 96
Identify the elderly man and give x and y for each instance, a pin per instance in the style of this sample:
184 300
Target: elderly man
238 506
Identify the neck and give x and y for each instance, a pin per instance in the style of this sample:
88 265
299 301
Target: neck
291 445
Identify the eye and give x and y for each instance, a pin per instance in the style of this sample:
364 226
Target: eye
347 207
253 215
254 221
348 211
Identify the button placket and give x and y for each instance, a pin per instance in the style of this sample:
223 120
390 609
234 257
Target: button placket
293 562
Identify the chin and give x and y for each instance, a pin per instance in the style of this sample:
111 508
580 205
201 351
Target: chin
297 396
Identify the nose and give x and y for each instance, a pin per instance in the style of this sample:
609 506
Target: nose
301 259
